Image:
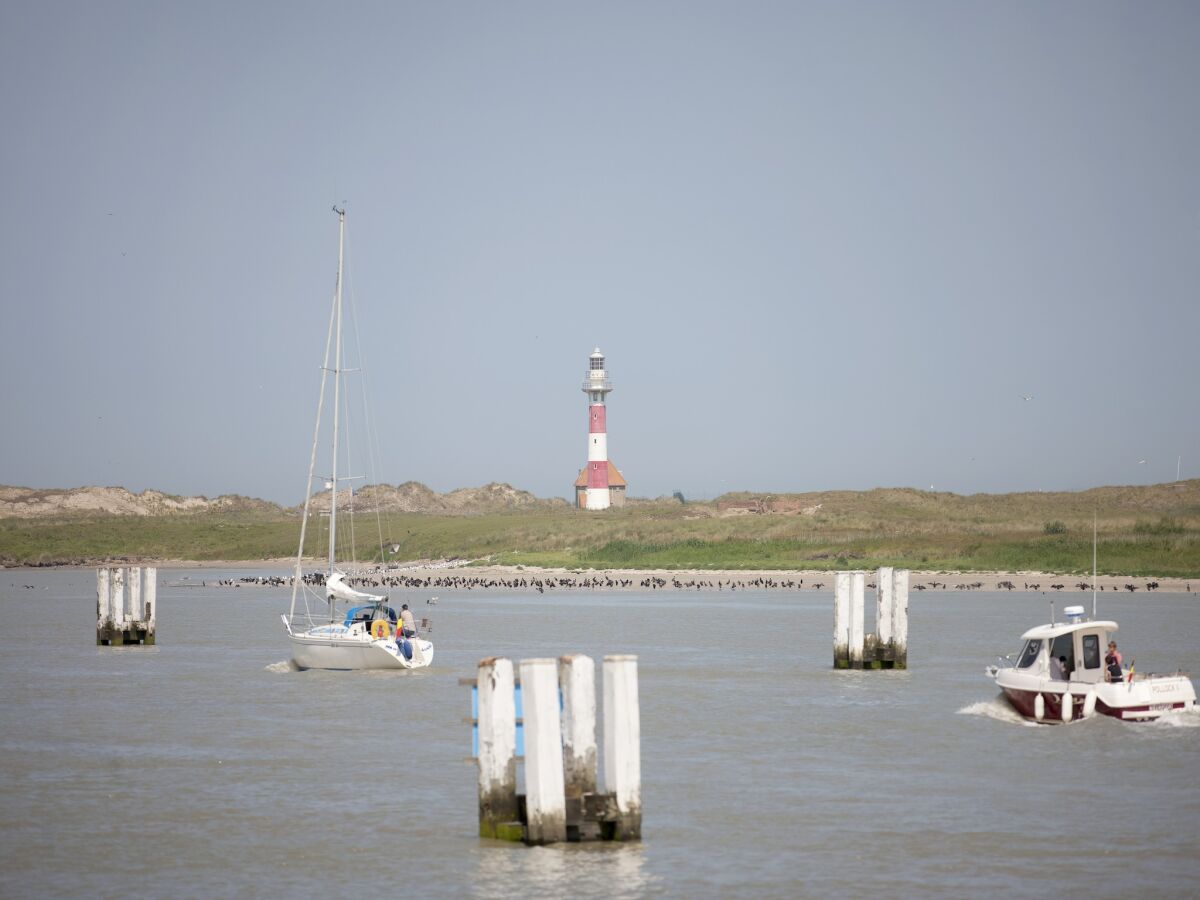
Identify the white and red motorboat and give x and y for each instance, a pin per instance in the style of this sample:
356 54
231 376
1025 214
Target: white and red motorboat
1061 675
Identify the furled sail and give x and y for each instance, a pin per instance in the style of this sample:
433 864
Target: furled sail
336 588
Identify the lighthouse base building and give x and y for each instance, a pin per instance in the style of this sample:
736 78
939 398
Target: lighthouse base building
616 487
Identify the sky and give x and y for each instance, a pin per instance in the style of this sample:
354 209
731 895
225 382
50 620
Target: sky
822 245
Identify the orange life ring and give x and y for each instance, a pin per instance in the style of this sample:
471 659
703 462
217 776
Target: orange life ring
380 629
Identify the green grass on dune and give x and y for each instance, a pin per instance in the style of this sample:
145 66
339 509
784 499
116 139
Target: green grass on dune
1147 531
1120 555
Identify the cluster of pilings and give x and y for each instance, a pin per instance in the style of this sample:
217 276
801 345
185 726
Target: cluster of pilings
887 648
561 800
125 606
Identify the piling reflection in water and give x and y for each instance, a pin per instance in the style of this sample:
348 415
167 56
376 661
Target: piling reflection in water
559 870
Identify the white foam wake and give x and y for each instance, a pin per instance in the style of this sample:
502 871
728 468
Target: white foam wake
998 709
284 665
1179 718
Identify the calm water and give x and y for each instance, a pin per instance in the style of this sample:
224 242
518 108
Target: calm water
205 767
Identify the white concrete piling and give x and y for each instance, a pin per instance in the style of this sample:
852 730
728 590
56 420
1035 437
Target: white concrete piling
900 618
150 599
841 620
103 602
884 597
118 621
561 800
622 743
545 798
497 723
887 647
117 598
858 584
577 681
133 586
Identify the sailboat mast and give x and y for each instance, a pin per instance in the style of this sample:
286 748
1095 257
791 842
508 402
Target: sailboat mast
337 388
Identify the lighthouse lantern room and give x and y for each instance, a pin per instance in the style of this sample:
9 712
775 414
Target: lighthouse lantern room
599 485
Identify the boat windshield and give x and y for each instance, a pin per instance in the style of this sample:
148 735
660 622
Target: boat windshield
1029 654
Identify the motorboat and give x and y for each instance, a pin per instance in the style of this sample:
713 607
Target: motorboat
1061 675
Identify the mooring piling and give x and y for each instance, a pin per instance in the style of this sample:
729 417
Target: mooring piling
900 618
841 620
545 797
577 682
558 701
885 598
622 744
118 623
887 646
858 582
496 719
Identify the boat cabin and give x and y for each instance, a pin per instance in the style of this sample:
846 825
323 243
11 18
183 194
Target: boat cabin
1081 642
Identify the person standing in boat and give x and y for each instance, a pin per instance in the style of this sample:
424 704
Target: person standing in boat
408 626
1112 661
1058 668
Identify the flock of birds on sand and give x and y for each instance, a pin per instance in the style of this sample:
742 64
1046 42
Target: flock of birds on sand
378 580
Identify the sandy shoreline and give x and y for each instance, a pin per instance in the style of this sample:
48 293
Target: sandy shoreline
696 579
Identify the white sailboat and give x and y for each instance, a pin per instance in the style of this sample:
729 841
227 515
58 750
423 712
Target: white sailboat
369 634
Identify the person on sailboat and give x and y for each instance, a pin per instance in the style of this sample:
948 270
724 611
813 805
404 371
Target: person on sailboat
407 624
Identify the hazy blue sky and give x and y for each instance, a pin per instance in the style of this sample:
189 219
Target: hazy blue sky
824 245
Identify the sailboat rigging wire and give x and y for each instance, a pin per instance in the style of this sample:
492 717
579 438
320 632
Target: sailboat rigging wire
312 462
350 502
372 434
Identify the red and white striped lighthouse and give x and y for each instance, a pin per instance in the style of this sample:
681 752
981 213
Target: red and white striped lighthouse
599 485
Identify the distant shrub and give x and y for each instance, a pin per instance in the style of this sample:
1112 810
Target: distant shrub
1055 527
678 495
1165 525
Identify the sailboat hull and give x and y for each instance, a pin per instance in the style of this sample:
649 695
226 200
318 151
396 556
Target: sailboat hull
326 652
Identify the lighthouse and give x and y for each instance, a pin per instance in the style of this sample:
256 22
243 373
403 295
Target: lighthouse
599 485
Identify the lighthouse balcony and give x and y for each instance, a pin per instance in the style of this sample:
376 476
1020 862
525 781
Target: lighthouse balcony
597 384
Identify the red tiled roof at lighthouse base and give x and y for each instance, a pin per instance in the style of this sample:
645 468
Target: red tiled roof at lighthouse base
615 478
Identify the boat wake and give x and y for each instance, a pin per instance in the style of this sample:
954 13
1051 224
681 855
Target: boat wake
1179 718
998 709
284 665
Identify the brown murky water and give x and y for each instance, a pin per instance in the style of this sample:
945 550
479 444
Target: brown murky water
206 767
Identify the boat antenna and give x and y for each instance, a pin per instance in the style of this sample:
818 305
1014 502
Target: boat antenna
1093 565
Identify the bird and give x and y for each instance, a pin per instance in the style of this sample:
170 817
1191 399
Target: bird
1141 462
1024 397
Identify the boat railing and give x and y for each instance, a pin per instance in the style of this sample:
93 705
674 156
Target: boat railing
307 621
